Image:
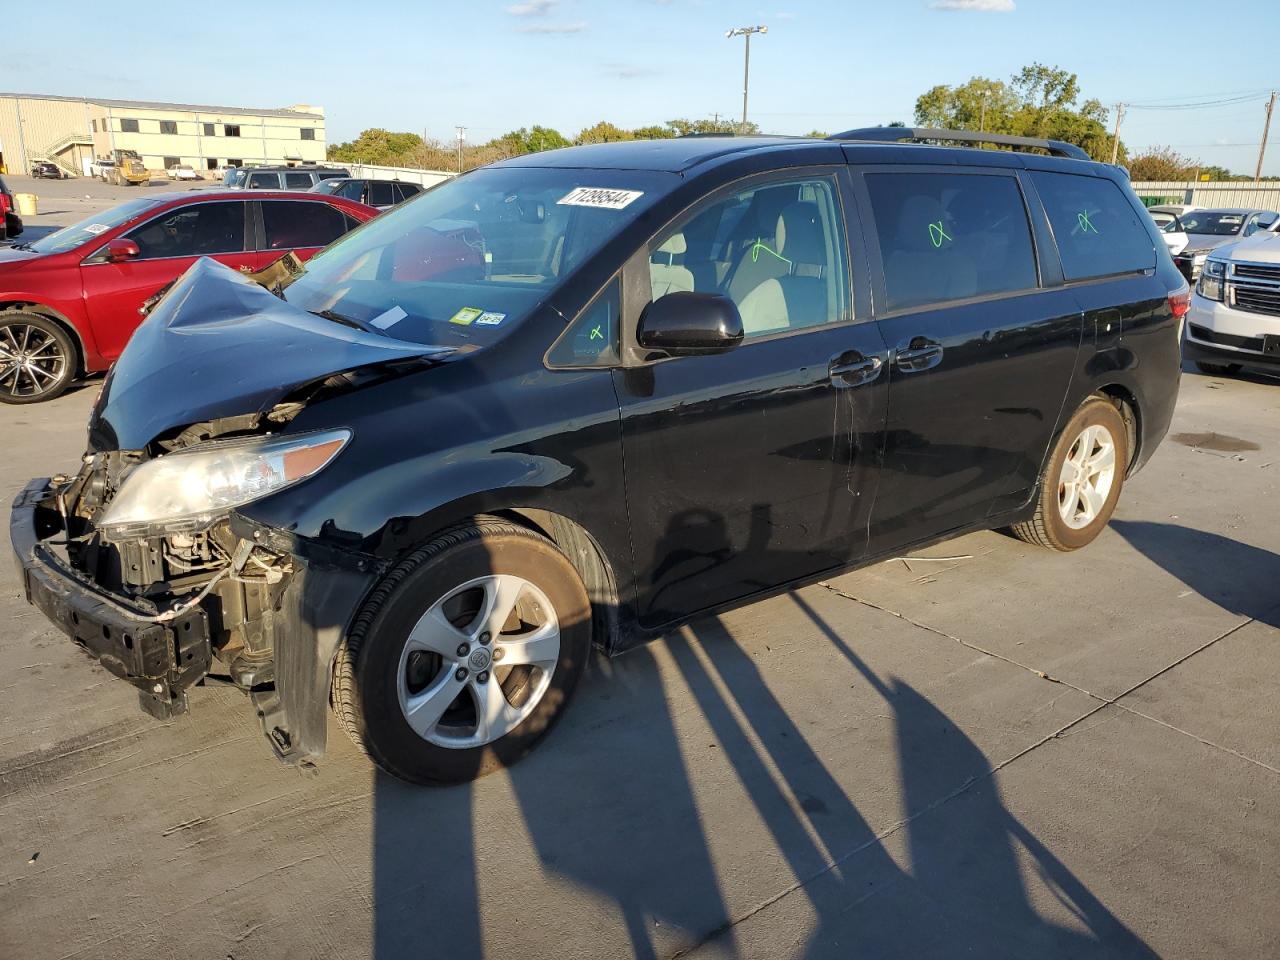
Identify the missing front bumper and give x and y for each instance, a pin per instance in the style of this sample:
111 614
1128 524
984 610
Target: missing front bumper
161 659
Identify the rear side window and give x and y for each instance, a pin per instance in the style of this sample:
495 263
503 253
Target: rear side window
950 236
407 190
297 181
263 181
289 224
1097 230
381 193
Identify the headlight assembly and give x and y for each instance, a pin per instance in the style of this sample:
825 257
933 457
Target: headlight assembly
191 489
1212 280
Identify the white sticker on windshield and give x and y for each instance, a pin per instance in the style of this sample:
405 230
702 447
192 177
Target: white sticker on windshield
490 319
96 228
389 318
600 197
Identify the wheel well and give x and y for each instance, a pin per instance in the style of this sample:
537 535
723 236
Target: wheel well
1127 405
587 558
19 306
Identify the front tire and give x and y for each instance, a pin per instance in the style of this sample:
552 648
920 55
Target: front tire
37 358
465 655
1081 483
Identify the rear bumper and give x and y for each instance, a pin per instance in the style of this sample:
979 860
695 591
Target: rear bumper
161 659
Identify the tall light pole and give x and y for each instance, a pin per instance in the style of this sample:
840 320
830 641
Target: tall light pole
746 64
1266 128
462 135
1115 137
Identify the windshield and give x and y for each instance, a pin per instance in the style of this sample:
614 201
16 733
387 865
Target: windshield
330 186
468 260
90 227
233 177
1217 224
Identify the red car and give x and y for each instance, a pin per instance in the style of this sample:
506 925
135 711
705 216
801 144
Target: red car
69 301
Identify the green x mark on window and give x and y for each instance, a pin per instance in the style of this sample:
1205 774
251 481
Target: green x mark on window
937 234
1085 225
597 332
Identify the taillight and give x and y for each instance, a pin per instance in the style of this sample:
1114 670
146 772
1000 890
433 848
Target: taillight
4 204
1180 301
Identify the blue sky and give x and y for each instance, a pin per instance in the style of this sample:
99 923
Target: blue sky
495 66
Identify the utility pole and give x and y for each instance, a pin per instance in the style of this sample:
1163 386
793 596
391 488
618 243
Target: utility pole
1266 128
1115 137
462 135
746 33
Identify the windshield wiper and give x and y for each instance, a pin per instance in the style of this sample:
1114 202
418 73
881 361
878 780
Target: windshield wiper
348 321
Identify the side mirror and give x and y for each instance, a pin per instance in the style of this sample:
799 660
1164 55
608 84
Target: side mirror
687 324
120 250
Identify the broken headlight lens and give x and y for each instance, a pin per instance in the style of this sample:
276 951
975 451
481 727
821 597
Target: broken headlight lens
190 489
1212 280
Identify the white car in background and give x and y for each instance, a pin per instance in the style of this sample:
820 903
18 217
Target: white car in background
1175 238
1234 319
181 171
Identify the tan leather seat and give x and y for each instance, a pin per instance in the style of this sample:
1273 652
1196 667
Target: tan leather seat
798 298
756 249
665 275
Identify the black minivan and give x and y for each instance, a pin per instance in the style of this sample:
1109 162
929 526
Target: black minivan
583 396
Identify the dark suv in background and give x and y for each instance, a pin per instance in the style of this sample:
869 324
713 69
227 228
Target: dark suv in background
585 396
374 193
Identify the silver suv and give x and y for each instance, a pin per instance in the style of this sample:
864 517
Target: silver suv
279 178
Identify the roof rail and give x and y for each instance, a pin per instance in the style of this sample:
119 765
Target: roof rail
1057 148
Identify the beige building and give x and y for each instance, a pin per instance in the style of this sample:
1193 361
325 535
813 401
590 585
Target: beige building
73 131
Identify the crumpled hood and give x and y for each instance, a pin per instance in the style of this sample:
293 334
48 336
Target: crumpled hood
220 345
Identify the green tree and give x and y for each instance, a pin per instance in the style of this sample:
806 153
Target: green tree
652 132
685 128
1160 163
1038 101
375 145
604 132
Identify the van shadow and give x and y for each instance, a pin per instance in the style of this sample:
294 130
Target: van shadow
623 834
1236 576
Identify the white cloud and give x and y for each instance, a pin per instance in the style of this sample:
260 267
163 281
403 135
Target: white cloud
980 6
576 27
531 8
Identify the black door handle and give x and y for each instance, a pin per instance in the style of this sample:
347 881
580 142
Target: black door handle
918 353
853 368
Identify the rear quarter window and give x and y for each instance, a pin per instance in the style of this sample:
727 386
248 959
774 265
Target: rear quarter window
1097 229
950 236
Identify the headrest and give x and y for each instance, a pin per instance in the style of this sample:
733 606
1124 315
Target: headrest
767 204
675 245
800 236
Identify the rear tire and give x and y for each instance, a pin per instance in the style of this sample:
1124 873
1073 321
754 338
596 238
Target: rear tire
37 358
465 655
1217 369
1081 482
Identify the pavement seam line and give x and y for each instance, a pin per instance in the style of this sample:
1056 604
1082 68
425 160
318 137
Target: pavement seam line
1195 736
885 834
965 643
1112 701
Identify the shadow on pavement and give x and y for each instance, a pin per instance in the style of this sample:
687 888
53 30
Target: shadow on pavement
608 810
1236 576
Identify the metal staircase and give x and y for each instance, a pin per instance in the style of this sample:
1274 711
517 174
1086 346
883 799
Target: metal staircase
53 152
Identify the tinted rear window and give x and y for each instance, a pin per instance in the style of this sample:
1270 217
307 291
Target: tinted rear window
1097 229
950 236
289 224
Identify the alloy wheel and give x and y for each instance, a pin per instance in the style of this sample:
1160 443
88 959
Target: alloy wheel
32 361
1087 475
478 662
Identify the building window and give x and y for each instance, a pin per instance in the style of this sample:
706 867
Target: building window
95 125
234 162
169 126
308 133
231 129
171 162
208 130
128 126
211 163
